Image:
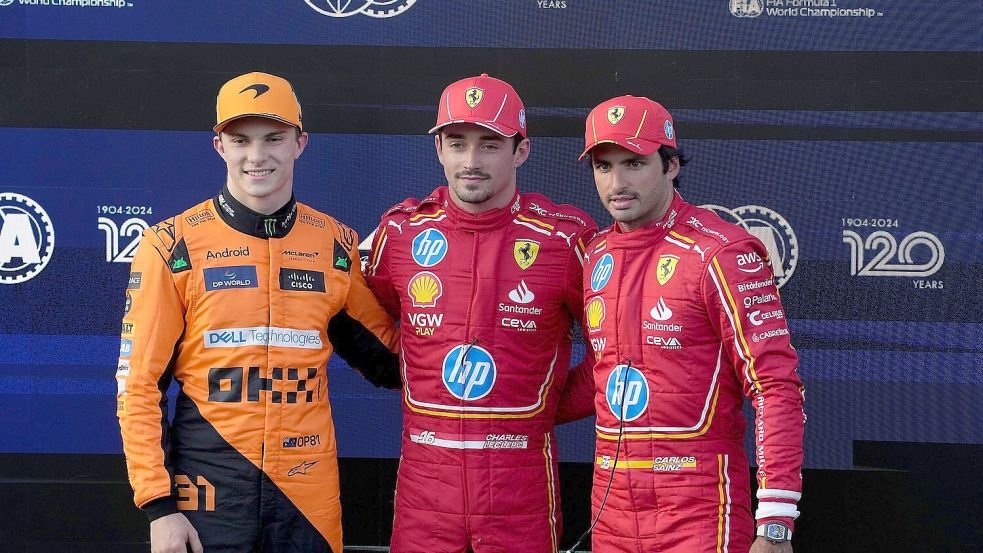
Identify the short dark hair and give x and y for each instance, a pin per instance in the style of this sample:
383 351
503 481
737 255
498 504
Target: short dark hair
667 153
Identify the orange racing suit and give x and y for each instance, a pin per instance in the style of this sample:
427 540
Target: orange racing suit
235 306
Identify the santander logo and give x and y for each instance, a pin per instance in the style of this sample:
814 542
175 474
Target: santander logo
661 311
522 294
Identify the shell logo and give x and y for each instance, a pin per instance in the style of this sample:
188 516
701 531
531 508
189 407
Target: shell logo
595 314
425 289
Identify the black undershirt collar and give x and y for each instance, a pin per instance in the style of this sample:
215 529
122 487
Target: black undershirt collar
247 221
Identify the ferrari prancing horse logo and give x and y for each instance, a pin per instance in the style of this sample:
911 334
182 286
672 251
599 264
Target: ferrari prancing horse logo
615 114
473 96
525 252
666 268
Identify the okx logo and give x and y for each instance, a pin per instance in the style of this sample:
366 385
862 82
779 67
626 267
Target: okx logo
469 372
27 238
627 393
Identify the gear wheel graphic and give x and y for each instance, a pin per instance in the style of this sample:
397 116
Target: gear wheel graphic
42 227
752 216
373 8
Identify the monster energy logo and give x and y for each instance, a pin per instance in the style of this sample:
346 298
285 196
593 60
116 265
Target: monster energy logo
269 225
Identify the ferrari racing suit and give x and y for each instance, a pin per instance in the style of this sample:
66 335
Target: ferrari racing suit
486 304
686 320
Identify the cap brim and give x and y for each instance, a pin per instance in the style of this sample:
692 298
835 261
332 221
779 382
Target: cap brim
218 128
641 147
490 126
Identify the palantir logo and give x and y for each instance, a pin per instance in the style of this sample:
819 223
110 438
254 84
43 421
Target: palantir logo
746 8
27 238
627 393
372 8
469 372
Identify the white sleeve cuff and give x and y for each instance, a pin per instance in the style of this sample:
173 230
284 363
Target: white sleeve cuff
778 494
770 509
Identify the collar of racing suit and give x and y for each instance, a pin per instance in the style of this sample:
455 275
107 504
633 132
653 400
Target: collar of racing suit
247 221
652 231
492 219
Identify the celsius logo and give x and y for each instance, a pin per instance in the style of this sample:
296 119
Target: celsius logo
746 8
259 89
627 393
772 230
469 372
27 238
372 8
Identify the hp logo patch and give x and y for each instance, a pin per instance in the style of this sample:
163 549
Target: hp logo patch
27 238
469 372
601 274
429 247
627 393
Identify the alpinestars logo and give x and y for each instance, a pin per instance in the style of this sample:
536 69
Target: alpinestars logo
373 8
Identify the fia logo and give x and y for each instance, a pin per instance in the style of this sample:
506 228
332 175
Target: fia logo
746 8
627 393
129 231
27 238
429 247
469 372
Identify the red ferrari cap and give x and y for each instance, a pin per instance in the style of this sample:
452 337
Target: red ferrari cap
482 100
632 122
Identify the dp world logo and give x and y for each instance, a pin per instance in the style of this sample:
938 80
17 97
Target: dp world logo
372 8
27 238
627 393
746 8
469 372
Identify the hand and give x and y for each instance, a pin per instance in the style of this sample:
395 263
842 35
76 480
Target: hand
762 545
172 533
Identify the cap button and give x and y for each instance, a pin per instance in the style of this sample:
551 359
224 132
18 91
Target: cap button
484 74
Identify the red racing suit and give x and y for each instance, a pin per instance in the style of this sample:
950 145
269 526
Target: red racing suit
236 307
486 304
686 320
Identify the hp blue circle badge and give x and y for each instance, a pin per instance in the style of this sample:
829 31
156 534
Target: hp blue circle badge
429 247
627 393
601 274
469 372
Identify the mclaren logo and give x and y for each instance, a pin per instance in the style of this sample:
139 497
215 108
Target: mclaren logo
615 114
473 96
259 89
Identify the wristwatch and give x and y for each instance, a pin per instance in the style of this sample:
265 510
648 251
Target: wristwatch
775 532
